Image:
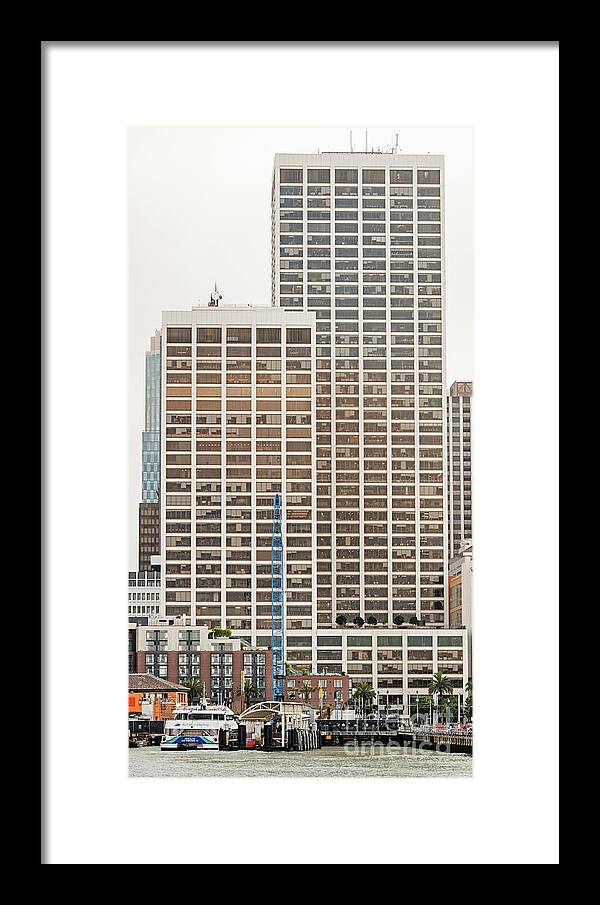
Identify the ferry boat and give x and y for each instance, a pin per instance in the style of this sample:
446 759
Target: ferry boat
196 726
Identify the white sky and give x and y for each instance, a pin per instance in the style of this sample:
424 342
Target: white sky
199 207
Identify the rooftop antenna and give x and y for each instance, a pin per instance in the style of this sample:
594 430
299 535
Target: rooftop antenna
351 141
396 142
366 148
215 298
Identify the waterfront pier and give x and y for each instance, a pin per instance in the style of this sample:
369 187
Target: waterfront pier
145 732
392 731
440 740
275 726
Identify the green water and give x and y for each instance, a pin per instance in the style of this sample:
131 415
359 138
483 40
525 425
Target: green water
326 762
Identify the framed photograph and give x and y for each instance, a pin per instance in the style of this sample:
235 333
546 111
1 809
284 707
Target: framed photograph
300 309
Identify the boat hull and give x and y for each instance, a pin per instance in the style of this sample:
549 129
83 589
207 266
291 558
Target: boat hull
190 742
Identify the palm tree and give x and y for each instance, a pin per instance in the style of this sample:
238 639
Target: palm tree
194 686
306 691
247 692
468 708
362 694
442 686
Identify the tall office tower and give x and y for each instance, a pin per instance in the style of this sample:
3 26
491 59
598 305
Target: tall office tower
148 535
358 238
149 511
238 413
458 415
151 433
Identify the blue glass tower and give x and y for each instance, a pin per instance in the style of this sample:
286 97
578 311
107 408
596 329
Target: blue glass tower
151 433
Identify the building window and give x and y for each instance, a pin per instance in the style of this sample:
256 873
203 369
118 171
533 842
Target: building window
350 176
208 334
268 335
431 177
319 175
298 335
286 175
401 177
372 177
179 335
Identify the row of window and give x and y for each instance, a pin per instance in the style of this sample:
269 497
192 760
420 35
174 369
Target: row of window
347 199
373 194
369 176
294 335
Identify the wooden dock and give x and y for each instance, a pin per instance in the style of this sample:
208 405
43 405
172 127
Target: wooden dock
450 742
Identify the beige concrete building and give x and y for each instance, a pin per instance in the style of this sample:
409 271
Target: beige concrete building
459 413
238 413
358 239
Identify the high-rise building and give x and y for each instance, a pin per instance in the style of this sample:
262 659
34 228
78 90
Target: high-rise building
233 437
358 239
151 432
149 509
148 535
238 412
460 571
460 594
458 415
355 444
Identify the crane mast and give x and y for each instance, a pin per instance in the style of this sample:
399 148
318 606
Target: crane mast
277 603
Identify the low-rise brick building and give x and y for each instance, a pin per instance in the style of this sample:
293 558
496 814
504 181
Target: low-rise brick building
154 698
176 652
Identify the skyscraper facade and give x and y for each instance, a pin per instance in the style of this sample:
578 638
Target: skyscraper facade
358 239
149 510
151 433
458 415
148 534
238 411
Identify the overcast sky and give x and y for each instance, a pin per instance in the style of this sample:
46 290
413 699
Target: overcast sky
199 204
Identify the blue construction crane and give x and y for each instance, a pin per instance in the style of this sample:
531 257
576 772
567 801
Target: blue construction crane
277 603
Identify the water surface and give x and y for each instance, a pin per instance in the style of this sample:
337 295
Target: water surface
326 762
